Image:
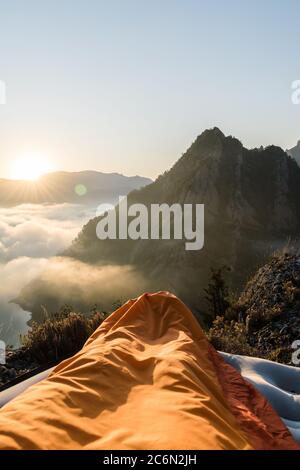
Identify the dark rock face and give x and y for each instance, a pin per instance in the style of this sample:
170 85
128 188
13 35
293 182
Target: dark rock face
17 364
252 206
277 284
266 320
271 302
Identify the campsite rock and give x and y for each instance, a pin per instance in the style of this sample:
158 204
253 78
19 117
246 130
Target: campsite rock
271 306
17 364
12 373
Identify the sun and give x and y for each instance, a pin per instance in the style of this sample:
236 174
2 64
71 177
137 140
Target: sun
30 167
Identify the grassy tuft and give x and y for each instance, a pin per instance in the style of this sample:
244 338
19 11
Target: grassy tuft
60 336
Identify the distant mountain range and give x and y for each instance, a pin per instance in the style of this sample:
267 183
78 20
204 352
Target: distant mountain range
295 152
252 207
84 187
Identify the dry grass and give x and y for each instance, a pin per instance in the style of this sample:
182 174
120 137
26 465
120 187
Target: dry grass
231 337
60 336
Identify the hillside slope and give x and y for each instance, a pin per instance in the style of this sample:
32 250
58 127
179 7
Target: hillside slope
267 318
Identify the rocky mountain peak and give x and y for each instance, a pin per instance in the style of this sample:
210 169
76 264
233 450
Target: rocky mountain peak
215 131
209 137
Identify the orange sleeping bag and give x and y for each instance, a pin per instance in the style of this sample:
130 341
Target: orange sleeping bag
146 379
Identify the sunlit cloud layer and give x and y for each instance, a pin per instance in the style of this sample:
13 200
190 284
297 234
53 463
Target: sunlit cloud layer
39 230
29 235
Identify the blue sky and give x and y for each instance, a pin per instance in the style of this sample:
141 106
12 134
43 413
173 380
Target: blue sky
127 85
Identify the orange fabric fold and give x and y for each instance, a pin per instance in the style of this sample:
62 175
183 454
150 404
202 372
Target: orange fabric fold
146 379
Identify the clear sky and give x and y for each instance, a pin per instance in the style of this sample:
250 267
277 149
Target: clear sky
127 85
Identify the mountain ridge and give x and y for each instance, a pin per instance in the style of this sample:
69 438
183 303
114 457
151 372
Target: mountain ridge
88 186
252 206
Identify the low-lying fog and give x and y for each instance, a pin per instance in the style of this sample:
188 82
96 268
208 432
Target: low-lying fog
29 236
32 237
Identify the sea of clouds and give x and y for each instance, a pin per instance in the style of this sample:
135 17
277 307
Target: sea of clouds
31 239
39 230
30 234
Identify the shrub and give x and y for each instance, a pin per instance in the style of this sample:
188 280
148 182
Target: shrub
230 337
217 294
59 336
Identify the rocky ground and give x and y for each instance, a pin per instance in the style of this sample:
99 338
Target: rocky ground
267 320
272 303
17 364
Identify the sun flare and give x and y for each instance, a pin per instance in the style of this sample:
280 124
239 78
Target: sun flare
30 167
